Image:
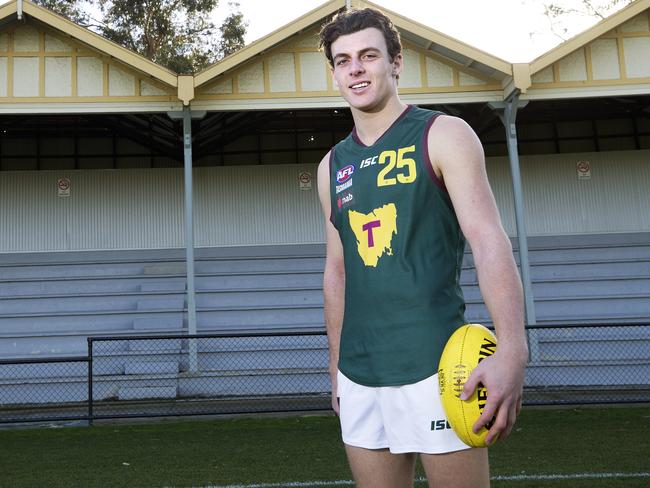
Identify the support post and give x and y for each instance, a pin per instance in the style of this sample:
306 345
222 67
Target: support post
90 381
189 238
507 112
186 115
19 9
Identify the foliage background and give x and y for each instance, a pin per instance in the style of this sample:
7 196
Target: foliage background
177 34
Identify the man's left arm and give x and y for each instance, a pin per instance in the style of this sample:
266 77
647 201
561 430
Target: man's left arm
457 158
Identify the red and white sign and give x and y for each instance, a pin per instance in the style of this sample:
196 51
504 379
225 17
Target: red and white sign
584 170
304 178
63 187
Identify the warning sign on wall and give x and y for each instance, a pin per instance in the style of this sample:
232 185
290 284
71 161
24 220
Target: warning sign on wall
304 178
63 187
584 170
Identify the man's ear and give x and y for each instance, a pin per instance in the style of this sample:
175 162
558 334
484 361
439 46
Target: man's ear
398 64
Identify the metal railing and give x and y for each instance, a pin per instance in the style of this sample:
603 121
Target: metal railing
199 374
44 389
213 374
588 364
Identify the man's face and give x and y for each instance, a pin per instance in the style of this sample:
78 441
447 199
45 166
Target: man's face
363 70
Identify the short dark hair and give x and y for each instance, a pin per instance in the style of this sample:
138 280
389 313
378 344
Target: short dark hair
354 20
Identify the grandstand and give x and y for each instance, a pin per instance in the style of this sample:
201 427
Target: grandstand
92 217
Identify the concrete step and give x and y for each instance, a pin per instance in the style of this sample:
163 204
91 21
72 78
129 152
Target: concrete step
594 287
109 285
67 287
152 367
568 270
25 347
263 360
604 306
261 265
147 392
266 317
165 269
297 344
585 254
171 302
82 322
157 345
259 281
130 288
589 310
260 298
70 270
588 373
108 303
75 343
174 323
169 285
42 370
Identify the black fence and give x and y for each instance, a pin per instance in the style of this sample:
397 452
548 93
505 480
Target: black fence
44 389
588 364
208 374
151 376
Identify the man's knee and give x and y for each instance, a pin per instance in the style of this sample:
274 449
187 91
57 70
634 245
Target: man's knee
468 468
379 468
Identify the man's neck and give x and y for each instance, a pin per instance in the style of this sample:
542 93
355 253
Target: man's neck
370 126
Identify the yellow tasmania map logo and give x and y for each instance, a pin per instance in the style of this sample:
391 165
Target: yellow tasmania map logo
374 232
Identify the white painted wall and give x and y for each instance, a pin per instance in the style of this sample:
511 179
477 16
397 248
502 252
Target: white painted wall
144 208
257 205
615 199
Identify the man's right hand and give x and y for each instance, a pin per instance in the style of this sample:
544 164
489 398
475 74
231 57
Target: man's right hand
335 396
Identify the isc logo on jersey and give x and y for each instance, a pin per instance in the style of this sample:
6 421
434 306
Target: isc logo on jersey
368 162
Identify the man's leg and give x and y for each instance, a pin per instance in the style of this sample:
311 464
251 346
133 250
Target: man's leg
460 469
378 468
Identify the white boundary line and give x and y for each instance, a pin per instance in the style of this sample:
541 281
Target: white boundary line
517 477
577 476
289 484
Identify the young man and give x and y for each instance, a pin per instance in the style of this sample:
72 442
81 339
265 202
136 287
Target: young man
400 195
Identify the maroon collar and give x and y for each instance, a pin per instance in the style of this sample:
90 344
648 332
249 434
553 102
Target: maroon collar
356 138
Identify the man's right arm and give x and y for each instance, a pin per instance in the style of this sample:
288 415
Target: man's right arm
333 279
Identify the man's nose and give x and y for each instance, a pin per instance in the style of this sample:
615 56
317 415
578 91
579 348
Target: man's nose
356 66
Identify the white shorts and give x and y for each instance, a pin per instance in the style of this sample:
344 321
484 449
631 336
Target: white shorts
406 418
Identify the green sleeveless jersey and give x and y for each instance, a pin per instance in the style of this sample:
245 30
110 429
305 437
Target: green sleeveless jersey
403 250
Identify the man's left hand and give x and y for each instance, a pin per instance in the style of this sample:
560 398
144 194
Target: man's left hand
502 375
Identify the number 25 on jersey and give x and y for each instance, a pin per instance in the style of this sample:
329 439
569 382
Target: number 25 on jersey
399 168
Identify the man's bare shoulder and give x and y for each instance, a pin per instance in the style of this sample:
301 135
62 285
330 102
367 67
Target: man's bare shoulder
324 166
324 181
325 162
450 138
447 126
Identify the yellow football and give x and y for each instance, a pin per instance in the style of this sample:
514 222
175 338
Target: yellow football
467 346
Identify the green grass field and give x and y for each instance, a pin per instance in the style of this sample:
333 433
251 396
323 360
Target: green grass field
580 444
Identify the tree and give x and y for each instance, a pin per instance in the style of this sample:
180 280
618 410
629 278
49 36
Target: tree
70 9
177 34
174 33
232 31
560 12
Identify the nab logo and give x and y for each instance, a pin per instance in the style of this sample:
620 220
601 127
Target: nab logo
345 200
344 174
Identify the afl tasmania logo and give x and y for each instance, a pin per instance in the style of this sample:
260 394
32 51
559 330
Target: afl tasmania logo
344 174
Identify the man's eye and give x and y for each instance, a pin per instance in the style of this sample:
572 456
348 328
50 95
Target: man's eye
341 62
